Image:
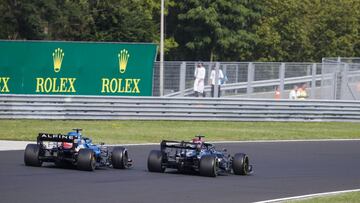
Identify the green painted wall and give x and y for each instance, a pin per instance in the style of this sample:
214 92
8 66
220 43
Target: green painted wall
76 68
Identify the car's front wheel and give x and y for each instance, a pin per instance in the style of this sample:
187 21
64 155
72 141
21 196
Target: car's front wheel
119 157
240 164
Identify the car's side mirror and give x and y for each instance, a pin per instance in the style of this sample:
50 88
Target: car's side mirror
224 150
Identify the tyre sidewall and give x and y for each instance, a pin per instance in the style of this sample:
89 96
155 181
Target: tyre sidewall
31 155
86 160
119 158
239 164
207 166
155 161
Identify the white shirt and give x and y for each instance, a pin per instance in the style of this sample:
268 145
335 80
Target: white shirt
200 73
212 76
293 94
199 79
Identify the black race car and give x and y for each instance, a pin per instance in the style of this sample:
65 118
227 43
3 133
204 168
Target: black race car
197 156
73 149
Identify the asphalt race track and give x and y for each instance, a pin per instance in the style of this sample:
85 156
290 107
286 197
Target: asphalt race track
281 170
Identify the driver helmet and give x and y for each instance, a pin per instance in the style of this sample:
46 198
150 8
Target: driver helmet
198 140
68 145
199 143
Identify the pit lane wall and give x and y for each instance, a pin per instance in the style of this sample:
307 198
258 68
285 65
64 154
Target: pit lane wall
181 108
76 68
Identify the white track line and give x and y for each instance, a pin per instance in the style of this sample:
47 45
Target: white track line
6 145
253 141
305 140
308 196
20 145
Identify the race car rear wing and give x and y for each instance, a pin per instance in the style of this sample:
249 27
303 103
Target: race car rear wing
55 138
180 145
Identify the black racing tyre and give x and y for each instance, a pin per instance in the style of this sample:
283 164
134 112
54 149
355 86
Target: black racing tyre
31 155
119 157
208 166
86 160
155 162
240 164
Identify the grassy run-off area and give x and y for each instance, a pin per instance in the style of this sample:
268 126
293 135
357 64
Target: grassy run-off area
351 197
120 132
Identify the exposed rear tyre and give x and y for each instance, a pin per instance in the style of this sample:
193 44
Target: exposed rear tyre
86 160
240 164
31 155
155 161
208 166
119 157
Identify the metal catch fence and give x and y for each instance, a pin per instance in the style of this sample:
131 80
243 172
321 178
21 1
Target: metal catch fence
330 80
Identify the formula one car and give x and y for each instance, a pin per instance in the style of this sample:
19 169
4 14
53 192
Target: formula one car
73 149
197 156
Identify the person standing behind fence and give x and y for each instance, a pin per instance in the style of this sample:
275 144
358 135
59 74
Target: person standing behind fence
212 81
302 94
293 93
277 93
199 80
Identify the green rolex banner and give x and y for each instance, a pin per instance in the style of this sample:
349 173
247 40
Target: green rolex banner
76 68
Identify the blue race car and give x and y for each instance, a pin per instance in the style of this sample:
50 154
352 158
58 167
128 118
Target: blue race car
197 156
73 149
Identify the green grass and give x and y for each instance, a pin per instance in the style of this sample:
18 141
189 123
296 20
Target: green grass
155 131
351 197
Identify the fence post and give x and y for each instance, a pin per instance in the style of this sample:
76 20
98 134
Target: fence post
313 81
334 85
344 81
282 79
216 86
322 89
337 90
237 77
250 79
182 78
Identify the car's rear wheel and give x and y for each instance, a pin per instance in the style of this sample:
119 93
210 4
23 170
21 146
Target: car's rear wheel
208 166
240 164
31 155
119 157
155 162
86 160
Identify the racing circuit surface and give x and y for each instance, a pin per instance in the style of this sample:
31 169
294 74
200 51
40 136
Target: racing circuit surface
281 170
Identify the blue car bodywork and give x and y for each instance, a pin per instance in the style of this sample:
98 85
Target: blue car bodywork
82 142
74 149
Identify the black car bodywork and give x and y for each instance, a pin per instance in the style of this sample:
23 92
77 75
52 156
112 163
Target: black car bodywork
200 157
